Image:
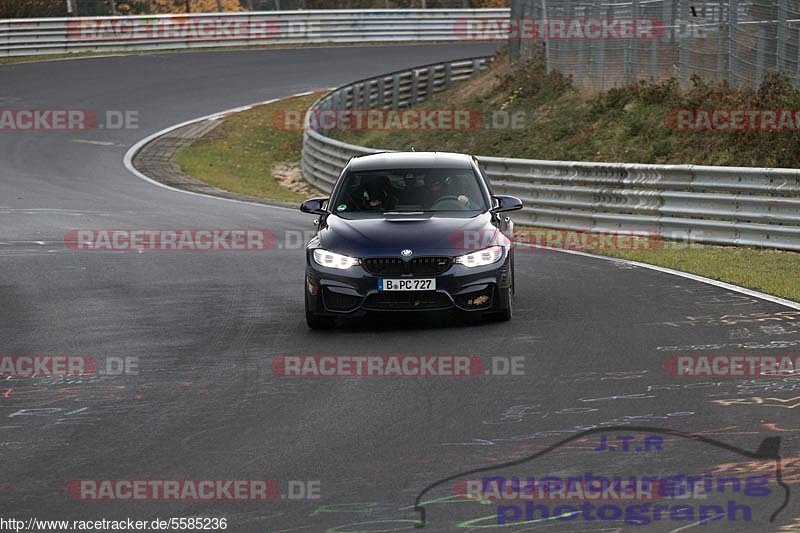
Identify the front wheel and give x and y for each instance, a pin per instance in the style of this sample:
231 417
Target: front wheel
505 300
507 311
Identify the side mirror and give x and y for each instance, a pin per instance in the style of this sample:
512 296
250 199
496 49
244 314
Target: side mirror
314 206
506 203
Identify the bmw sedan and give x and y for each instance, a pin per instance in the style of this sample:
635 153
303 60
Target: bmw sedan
410 231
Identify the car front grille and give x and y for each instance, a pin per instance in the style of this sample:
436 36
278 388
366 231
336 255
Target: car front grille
419 266
407 301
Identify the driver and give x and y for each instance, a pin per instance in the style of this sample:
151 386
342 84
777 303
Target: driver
439 188
376 194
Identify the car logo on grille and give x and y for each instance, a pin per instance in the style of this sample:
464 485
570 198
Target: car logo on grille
406 253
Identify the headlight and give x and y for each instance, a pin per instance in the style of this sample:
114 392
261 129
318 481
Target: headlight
484 257
330 259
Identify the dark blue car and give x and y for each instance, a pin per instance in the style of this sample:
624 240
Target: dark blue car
410 231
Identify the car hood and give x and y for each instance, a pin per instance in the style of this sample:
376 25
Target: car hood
423 234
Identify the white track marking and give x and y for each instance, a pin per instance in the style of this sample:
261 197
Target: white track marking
131 153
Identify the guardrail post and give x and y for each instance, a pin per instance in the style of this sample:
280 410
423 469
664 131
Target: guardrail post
348 98
414 87
429 87
448 74
364 104
354 98
395 91
381 89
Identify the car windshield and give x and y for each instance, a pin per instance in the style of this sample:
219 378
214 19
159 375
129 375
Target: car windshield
399 190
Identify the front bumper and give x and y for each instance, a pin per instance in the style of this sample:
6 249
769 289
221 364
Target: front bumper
354 292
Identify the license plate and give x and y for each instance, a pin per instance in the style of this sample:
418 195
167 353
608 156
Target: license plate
416 284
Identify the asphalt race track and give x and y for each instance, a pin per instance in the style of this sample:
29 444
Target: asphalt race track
593 335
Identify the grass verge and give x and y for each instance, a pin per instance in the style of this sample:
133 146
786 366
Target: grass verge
248 154
771 271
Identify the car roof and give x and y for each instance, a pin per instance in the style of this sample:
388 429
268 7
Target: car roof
388 160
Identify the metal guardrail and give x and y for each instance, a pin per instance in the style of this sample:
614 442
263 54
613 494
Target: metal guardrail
722 205
170 32
323 158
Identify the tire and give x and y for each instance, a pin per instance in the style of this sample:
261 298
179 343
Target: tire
505 314
513 276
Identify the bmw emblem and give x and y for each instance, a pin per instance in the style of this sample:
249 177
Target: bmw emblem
406 253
